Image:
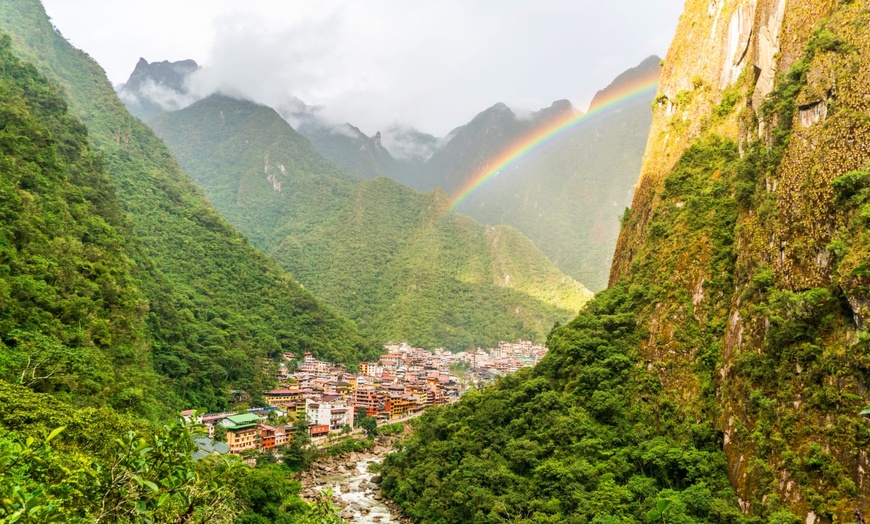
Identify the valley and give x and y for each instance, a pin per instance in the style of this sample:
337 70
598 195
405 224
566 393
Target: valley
397 262
202 268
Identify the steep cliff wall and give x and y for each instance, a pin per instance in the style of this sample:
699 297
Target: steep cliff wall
760 309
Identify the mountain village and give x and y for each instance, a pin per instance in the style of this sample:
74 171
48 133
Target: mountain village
328 400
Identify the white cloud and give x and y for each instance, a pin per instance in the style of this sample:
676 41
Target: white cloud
430 63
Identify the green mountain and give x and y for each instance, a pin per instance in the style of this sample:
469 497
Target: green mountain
74 347
263 176
214 306
402 265
722 376
567 195
392 259
354 152
72 315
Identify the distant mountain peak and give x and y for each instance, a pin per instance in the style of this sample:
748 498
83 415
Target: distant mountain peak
562 105
647 71
499 110
157 87
169 74
558 109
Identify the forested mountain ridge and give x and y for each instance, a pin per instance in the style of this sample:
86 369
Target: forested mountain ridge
261 174
396 261
72 317
81 408
538 195
217 307
721 376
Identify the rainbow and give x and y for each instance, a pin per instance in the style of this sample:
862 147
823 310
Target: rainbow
527 145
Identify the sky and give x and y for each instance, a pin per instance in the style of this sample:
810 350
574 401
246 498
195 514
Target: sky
432 64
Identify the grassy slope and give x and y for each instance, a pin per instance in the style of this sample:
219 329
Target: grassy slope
394 259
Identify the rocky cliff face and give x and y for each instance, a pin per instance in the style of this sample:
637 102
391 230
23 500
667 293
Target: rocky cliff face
772 289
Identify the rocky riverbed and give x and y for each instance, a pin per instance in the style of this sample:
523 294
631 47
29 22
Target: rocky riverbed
355 490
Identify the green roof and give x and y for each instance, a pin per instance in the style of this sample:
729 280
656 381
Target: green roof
245 419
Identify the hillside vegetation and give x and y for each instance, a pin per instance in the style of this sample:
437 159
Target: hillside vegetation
568 192
394 260
214 306
588 435
721 376
79 398
72 317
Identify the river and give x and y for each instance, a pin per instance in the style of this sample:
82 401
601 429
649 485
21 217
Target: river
353 487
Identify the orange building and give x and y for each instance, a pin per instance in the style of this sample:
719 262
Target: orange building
267 437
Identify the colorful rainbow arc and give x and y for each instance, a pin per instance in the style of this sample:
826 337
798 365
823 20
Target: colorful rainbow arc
527 145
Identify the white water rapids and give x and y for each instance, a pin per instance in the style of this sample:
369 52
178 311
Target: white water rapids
357 495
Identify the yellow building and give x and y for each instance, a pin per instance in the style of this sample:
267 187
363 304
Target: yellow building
243 433
284 398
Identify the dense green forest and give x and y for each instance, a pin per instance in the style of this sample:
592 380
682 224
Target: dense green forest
593 434
214 306
587 436
75 372
394 260
722 375
72 317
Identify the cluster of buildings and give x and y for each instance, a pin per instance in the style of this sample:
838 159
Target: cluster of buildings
242 431
326 398
402 383
509 357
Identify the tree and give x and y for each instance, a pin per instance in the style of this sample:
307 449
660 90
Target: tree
300 454
143 479
370 424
